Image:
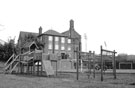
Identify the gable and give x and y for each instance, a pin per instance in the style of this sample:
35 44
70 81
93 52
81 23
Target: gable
29 44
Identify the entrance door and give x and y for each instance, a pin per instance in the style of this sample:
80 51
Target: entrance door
63 56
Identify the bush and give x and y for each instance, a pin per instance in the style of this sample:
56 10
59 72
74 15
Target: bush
6 50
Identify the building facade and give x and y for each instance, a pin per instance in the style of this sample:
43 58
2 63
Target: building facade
62 44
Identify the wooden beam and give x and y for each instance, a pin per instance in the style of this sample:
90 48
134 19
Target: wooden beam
109 51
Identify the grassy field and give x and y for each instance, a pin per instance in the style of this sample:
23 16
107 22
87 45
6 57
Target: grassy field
66 80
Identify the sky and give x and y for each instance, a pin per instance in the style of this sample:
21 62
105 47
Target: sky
104 21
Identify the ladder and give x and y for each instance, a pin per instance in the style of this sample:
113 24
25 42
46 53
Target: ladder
11 58
10 66
13 61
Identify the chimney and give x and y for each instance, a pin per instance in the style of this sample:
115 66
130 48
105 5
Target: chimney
71 24
40 30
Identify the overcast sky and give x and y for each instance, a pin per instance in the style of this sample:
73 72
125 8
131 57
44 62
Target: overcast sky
112 21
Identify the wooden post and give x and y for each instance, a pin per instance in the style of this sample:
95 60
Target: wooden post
90 55
114 67
22 68
56 67
21 64
27 68
77 68
89 70
19 69
38 68
41 67
93 64
31 68
101 65
34 64
41 63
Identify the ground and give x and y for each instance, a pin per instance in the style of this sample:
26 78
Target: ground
67 80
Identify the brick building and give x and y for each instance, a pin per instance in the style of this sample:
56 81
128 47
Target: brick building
61 44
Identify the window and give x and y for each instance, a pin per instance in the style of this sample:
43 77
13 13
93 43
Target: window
62 47
50 38
50 46
56 39
62 40
69 48
56 46
69 40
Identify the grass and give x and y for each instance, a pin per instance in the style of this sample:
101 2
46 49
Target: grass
67 80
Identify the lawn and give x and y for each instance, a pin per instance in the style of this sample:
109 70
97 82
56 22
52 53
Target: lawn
66 80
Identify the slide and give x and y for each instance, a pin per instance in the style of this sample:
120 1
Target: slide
47 67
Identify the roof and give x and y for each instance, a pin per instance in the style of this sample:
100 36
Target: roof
53 32
28 44
23 34
73 34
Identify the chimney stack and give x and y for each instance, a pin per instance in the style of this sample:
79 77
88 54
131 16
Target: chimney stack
40 30
71 29
71 24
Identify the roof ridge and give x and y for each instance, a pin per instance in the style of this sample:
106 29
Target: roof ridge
28 32
53 32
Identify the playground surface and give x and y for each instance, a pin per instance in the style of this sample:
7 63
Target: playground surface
66 80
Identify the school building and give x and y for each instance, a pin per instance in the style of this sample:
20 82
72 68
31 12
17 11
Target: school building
60 45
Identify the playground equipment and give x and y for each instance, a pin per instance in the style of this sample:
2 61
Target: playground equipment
111 54
90 58
35 63
38 63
